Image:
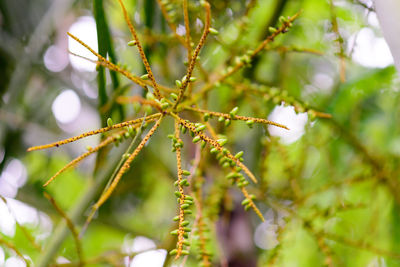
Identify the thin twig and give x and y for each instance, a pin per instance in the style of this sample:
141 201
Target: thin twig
71 227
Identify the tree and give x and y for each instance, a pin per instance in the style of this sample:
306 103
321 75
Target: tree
284 144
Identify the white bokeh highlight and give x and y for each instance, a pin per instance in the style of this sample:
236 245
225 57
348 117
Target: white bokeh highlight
13 177
55 59
148 255
370 50
2 257
66 107
85 29
152 258
138 244
388 15
14 262
288 117
266 233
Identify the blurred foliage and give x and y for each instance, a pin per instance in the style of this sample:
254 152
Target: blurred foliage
331 198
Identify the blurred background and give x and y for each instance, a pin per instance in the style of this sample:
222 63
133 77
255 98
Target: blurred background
329 187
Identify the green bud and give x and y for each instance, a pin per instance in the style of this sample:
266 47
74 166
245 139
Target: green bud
178 84
185 223
244 183
175 232
131 130
126 155
145 76
184 182
221 119
239 154
185 252
185 172
222 142
226 164
245 202
183 129
312 115
150 96
173 252
282 19
177 194
186 201
110 122
132 43
213 150
213 31
185 206
206 116
186 243
188 197
233 112
187 212
171 136
227 122
192 79
187 229
164 105
178 144
184 79
196 139
88 148
174 96
200 128
176 218
203 144
250 123
232 175
272 30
